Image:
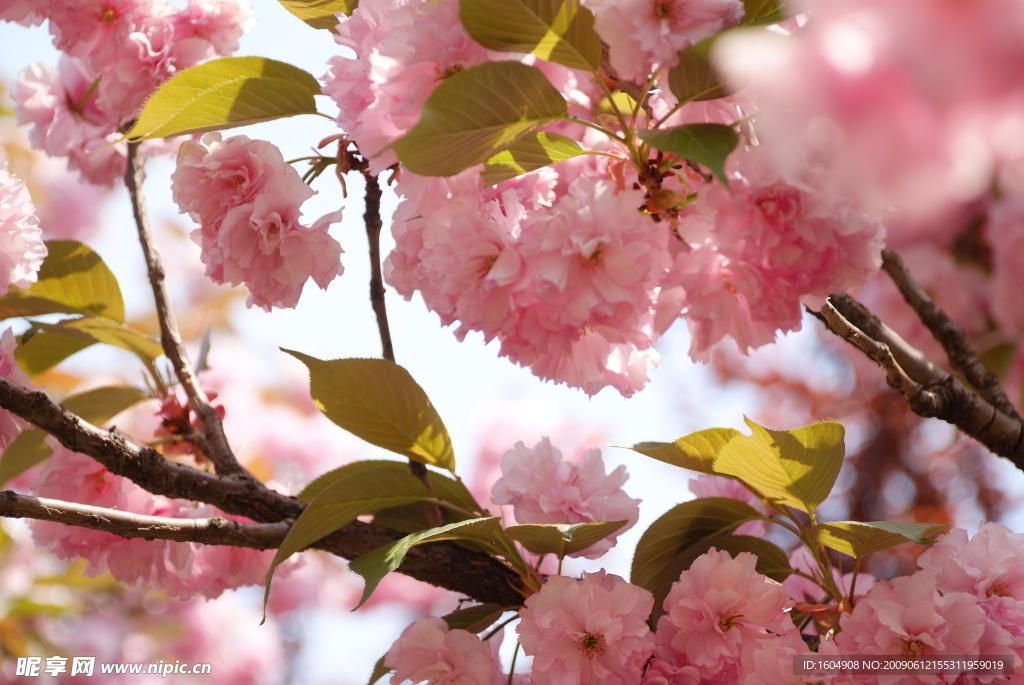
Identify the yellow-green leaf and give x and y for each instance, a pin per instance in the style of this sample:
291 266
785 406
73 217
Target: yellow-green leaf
857 539
475 619
559 31
72 280
477 113
531 152
380 562
320 14
764 12
97 406
707 144
796 468
224 93
696 451
562 539
53 343
682 526
693 78
364 491
378 401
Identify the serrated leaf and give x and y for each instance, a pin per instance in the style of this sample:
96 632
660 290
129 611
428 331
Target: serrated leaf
475 619
707 144
380 562
696 451
857 539
682 526
53 343
797 468
363 491
377 400
73 279
763 12
97 406
555 30
225 93
531 152
693 78
562 539
320 13
477 113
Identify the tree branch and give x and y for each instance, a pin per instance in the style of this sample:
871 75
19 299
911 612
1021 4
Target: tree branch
930 390
444 564
949 334
630 88
214 443
208 531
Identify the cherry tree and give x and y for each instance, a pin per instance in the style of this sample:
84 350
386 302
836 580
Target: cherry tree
571 178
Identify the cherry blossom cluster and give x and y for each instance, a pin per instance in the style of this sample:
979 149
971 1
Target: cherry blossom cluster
247 201
724 622
116 54
21 240
578 268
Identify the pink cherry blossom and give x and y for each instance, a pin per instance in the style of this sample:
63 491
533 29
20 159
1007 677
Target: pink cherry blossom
21 240
403 50
543 489
990 564
646 35
246 199
11 424
24 12
706 485
428 652
592 630
761 246
716 606
908 616
769 661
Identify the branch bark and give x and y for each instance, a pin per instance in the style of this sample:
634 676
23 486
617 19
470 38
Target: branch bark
444 564
949 334
214 442
207 531
931 391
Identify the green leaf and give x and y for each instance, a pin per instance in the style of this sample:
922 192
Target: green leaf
764 12
363 491
857 539
562 539
380 562
555 30
53 343
475 619
96 406
72 280
224 93
409 518
379 671
531 152
477 113
320 13
378 401
322 482
683 526
696 451
693 78
707 144
618 102
796 468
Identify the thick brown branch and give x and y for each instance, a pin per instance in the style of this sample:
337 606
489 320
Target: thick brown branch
214 443
444 564
949 333
931 391
209 531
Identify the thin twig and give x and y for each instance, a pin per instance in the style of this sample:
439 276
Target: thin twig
214 443
371 217
630 88
930 390
478 576
206 531
949 334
